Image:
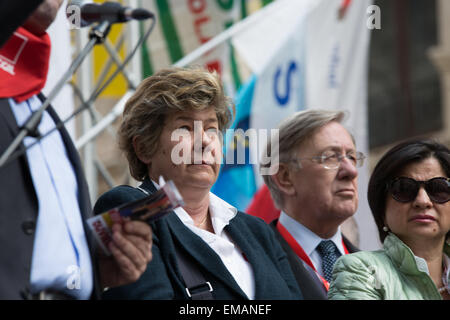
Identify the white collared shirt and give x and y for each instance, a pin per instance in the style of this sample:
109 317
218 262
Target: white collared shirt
232 257
308 240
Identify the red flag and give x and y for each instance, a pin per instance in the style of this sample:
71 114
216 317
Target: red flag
262 206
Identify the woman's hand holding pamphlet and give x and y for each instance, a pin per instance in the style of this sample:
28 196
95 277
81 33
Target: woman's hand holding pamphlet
148 209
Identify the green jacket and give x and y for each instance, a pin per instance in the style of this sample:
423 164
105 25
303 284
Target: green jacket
393 273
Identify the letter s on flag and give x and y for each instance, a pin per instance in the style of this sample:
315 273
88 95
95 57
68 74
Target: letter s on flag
283 99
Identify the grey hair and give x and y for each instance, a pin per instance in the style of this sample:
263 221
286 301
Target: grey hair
293 131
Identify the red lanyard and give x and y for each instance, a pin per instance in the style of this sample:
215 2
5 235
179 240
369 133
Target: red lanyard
301 253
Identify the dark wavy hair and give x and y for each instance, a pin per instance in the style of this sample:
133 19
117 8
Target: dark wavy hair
401 155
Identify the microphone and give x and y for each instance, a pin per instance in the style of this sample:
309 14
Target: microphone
113 12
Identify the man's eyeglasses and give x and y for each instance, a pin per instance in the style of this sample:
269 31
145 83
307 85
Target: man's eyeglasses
405 189
332 160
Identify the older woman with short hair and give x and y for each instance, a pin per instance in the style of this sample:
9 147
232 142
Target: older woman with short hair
172 127
409 195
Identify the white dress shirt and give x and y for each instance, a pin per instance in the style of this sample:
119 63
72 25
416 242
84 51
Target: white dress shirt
232 257
308 240
61 259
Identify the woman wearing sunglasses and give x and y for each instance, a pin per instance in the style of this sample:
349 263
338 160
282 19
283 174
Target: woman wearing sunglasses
409 195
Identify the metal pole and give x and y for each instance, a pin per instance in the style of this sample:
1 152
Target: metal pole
85 84
135 67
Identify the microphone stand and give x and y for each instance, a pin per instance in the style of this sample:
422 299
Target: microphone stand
97 35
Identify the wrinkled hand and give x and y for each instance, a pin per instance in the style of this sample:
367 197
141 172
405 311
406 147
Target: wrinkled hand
131 252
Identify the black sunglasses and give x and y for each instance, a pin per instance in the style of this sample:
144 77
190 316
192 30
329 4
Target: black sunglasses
405 189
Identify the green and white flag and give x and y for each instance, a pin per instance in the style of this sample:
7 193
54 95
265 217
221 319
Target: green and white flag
183 26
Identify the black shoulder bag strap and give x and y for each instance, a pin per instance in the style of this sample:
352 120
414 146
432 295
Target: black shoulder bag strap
197 288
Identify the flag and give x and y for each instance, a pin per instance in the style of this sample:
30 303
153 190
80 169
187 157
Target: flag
183 26
273 51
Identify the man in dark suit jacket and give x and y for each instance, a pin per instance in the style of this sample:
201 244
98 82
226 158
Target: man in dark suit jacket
47 251
312 180
310 284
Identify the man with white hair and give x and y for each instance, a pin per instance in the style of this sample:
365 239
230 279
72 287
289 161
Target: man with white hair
315 187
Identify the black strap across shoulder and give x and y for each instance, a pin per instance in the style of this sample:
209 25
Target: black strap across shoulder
197 288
